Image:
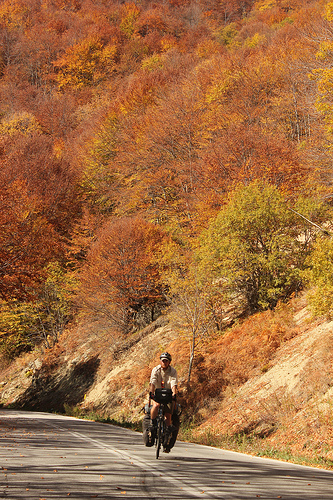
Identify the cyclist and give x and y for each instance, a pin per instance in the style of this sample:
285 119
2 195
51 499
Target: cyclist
164 376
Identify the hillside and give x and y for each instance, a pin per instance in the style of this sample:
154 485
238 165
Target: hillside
267 391
166 183
142 143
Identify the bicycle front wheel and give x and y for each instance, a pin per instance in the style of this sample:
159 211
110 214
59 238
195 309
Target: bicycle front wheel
159 438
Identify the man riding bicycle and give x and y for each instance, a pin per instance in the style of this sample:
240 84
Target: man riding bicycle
163 376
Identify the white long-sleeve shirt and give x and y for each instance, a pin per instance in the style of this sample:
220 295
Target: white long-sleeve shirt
168 377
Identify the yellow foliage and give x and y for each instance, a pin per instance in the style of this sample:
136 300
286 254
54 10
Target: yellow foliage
223 83
12 13
321 277
85 63
324 76
130 15
263 5
329 11
227 34
59 148
326 48
153 62
23 123
207 48
167 43
255 40
108 54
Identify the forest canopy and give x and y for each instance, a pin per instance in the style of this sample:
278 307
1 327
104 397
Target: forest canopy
152 147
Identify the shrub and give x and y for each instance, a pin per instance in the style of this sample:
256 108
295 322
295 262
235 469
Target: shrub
320 275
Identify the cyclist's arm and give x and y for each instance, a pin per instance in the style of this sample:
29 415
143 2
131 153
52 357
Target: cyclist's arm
151 388
154 379
174 382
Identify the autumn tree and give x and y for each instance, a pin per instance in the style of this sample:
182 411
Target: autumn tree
322 74
85 64
121 279
25 324
248 139
38 205
15 323
157 149
319 276
28 241
29 155
188 296
127 111
256 247
99 181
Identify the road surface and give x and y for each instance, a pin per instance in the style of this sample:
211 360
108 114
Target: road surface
45 456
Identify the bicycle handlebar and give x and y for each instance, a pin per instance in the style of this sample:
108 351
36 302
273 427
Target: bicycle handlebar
152 396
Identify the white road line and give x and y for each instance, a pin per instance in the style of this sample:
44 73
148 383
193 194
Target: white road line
195 489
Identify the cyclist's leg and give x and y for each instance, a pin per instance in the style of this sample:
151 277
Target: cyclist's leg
168 419
168 413
154 410
168 430
171 430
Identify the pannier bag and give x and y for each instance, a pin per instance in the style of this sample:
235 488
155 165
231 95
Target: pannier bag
176 424
148 434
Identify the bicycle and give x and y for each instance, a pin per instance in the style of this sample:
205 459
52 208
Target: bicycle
163 397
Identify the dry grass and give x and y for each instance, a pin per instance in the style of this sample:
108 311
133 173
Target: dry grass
269 382
245 351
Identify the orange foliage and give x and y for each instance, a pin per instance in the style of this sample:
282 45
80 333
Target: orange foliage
27 241
243 352
48 178
202 95
121 278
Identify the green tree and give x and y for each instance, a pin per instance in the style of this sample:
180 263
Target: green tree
256 247
320 275
24 325
15 323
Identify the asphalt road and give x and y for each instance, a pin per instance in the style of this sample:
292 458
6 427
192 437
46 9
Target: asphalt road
44 456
